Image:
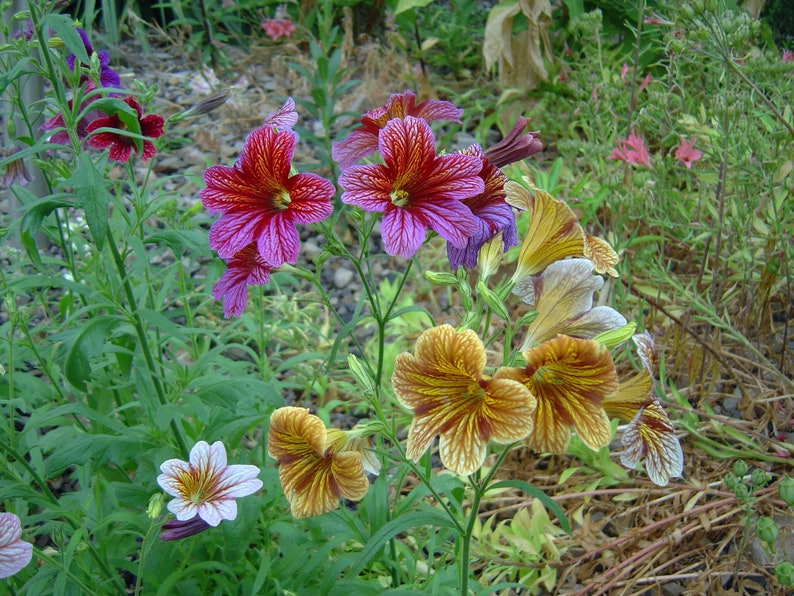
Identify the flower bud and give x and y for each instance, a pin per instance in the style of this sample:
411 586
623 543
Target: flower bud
731 480
766 529
492 300
440 279
740 468
759 478
155 505
787 490
784 574
490 256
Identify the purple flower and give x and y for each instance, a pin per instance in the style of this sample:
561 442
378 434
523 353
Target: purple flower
517 145
415 188
205 486
364 141
261 202
284 118
493 214
107 76
245 268
14 553
176 530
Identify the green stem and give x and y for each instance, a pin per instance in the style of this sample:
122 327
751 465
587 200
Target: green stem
145 548
142 339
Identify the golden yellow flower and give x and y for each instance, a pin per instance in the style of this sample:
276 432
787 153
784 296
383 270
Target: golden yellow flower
649 435
570 378
314 472
602 254
443 383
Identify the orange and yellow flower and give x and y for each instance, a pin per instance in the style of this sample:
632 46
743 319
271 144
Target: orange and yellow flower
316 469
570 378
649 435
443 383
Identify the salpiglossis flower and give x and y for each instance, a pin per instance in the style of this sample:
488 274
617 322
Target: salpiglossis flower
493 214
121 146
261 202
516 145
364 141
649 435
415 188
443 383
570 378
107 76
554 233
205 486
563 297
245 268
315 470
15 554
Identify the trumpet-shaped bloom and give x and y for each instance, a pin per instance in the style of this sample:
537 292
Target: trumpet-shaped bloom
632 150
205 485
443 383
15 554
107 76
245 268
493 215
517 145
57 122
364 141
570 378
687 154
563 297
121 146
554 233
649 436
261 202
314 471
415 188
175 529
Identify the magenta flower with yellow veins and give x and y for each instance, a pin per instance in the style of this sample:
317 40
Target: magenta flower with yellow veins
570 378
205 486
443 383
316 466
563 297
554 233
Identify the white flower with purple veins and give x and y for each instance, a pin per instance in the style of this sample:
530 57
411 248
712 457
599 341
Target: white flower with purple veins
206 486
14 553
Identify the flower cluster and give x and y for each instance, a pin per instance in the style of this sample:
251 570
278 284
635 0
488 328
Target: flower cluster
277 28
119 127
632 150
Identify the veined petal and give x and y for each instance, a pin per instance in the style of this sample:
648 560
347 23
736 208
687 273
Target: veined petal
232 232
602 255
366 186
553 233
310 197
266 157
570 378
407 146
284 118
631 397
646 350
294 433
278 241
651 436
403 232
359 143
14 553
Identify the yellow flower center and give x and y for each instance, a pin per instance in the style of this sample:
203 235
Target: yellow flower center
399 198
282 200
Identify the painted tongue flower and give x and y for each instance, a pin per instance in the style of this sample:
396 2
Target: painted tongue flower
415 188
493 214
57 122
316 469
261 202
687 154
15 554
517 145
121 146
563 297
570 378
443 383
205 485
364 141
107 76
245 268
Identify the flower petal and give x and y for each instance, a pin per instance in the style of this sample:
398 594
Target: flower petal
651 436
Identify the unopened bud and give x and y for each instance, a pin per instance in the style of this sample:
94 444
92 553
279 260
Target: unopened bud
766 529
490 256
787 490
155 505
492 300
438 278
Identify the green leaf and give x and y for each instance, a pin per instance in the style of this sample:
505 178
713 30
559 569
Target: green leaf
179 240
405 5
36 211
532 491
89 342
92 196
406 521
62 25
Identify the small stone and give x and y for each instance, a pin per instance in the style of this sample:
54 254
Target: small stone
342 277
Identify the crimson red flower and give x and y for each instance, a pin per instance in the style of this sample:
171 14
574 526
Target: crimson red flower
363 141
493 214
261 202
415 188
121 146
245 268
61 136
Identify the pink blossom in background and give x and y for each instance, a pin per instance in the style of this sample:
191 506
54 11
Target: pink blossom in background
632 150
624 70
648 78
14 553
687 154
277 28
788 56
